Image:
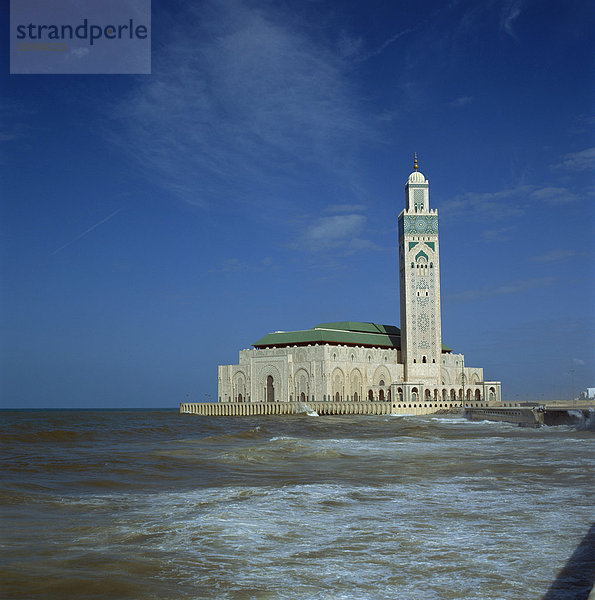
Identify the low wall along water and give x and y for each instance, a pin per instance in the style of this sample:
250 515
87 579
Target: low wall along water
232 409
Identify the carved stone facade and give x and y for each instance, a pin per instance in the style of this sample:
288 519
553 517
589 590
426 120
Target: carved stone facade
355 362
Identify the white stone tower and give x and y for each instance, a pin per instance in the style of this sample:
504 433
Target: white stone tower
419 276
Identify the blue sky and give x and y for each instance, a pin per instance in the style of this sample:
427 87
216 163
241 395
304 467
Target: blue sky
154 225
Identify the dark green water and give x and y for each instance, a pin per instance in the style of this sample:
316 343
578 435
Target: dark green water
153 504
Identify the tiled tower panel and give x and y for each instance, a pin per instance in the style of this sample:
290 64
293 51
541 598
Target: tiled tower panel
419 270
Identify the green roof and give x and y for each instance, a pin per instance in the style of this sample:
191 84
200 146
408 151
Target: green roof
355 326
349 333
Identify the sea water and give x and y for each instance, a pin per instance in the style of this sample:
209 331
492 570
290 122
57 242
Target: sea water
154 504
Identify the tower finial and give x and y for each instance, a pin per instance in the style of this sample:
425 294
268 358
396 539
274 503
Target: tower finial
415 162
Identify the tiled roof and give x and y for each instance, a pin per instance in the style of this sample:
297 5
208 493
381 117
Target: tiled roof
349 333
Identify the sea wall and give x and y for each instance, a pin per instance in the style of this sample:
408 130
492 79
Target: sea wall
233 409
523 416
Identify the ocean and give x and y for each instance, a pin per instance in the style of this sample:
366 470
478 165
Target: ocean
151 504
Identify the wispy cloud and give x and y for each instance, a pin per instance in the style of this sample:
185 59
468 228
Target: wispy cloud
488 205
510 13
240 97
344 208
578 161
237 265
86 232
498 234
337 230
388 42
460 102
500 290
554 256
554 195
507 203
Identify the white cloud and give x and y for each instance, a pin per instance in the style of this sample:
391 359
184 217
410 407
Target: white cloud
510 14
488 205
554 195
554 256
507 203
578 161
345 208
332 230
460 102
388 42
337 235
515 287
239 97
236 265
498 234
79 52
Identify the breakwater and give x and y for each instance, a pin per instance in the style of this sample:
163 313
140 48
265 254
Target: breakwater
534 416
233 409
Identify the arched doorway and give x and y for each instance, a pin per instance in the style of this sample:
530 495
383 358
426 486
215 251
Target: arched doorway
371 396
381 395
302 397
240 399
270 389
337 397
355 397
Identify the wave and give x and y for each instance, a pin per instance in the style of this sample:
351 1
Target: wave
255 433
582 420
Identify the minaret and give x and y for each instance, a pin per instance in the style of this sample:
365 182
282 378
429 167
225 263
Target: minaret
419 276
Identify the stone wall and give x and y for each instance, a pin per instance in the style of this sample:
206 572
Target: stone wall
232 409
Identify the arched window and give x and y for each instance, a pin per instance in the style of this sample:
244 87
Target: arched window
381 395
381 383
371 396
424 359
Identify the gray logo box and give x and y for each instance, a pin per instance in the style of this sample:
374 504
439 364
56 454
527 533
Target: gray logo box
80 37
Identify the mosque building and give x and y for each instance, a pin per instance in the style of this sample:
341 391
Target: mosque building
351 362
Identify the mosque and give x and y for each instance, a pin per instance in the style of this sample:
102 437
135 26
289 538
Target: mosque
350 362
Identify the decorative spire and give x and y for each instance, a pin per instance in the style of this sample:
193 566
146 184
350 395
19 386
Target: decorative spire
415 162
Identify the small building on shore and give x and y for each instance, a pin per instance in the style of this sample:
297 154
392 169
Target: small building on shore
354 362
